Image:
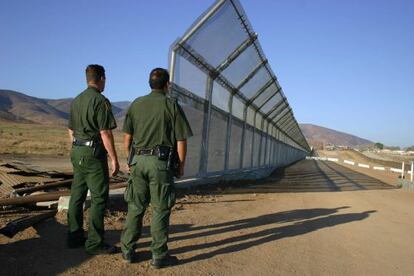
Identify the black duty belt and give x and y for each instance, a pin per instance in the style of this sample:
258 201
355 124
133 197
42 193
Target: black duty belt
148 152
81 142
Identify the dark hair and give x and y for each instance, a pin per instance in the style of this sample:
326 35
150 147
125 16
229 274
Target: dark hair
158 78
94 72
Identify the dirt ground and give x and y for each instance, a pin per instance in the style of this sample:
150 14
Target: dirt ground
385 176
42 140
313 218
389 156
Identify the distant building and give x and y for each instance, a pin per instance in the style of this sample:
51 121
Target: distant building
335 147
329 147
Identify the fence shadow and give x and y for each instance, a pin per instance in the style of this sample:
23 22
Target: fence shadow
309 176
226 237
301 222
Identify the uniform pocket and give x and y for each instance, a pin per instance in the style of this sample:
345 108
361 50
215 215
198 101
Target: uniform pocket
162 188
129 191
171 197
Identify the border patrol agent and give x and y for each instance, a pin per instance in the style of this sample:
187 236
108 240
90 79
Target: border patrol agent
90 129
154 123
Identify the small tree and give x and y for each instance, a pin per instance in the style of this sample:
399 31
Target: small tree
410 148
379 146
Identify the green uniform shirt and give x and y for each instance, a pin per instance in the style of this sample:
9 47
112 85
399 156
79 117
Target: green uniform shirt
90 112
155 119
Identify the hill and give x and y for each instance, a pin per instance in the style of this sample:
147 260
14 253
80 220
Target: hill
318 136
64 105
16 106
19 107
122 105
61 104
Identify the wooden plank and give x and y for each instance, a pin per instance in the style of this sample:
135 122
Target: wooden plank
13 227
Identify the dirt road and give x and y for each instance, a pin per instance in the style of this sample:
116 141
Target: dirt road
313 218
385 176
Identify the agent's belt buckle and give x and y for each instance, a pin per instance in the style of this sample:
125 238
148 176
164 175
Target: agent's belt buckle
89 143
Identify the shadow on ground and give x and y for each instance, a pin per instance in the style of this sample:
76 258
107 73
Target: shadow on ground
304 221
225 238
306 176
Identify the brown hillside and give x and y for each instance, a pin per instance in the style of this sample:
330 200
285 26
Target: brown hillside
64 105
61 104
17 106
317 135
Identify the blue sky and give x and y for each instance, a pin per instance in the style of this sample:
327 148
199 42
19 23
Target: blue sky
346 65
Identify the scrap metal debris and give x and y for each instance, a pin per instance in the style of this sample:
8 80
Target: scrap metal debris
16 175
24 187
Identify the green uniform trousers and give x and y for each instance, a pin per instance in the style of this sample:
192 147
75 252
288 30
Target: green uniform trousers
89 172
150 182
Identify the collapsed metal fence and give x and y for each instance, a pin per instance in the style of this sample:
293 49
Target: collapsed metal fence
241 119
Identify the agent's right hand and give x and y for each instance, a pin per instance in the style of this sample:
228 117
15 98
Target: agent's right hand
114 167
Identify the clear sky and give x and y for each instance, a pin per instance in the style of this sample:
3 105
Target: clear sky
346 65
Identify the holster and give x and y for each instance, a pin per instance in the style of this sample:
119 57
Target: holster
170 155
173 162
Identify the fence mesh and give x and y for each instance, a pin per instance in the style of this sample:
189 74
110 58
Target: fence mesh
239 114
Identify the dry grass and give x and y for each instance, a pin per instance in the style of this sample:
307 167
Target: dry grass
396 157
33 139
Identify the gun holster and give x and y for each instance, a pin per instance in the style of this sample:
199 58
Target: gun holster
163 152
169 154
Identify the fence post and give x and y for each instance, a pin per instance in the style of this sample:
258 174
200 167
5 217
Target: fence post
228 136
402 170
412 171
206 128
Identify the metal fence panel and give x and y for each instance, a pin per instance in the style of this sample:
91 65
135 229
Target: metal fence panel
248 148
242 66
222 27
217 142
239 114
235 145
237 108
193 147
195 82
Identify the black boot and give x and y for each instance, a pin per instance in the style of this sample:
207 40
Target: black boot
168 260
129 257
103 249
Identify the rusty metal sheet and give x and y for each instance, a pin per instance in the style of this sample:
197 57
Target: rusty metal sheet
9 180
4 167
19 166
